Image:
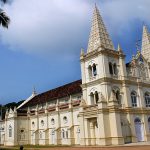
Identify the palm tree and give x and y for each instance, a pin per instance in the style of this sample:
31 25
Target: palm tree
4 19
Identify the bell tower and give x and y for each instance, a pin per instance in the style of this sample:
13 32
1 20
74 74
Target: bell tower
94 64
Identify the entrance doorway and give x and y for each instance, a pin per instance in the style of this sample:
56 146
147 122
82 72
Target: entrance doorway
139 130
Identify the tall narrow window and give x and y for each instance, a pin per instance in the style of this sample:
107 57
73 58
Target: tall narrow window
96 97
90 71
10 131
92 98
134 99
118 97
94 70
115 69
147 99
110 68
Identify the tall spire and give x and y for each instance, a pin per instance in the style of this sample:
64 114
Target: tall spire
99 35
146 43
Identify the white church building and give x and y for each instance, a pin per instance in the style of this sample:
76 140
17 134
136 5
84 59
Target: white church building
109 106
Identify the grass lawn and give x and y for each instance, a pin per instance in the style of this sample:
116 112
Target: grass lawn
34 147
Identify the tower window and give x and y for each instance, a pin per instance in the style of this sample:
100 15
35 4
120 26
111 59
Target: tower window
134 99
115 69
94 98
110 68
147 99
92 70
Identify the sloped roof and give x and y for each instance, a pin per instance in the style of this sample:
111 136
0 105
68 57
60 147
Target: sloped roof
60 92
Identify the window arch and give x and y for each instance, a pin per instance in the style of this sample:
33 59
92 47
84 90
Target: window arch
115 68
42 122
65 120
92 69
137 120
94 96
147 99
52 121
110 68
116 92
10 131
134 99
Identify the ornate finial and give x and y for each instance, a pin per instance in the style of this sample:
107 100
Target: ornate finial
34 91
119 48
82 52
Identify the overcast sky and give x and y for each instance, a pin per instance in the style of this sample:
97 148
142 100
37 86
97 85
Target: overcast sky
42 46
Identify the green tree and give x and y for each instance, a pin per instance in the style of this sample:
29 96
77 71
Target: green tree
4 19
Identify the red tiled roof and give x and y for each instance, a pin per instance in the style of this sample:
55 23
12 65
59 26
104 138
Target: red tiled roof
60 92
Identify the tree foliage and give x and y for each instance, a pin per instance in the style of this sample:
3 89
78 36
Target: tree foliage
4 19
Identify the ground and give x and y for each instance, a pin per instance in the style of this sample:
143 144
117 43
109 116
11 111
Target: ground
126 147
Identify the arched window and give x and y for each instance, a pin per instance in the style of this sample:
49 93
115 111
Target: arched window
92 98
10 131
149 123
110 68
42 122
90 71
65 120
94 70
118 97
63 133
115 68
137 120
134 99
52 121
116 92
147 99
96 97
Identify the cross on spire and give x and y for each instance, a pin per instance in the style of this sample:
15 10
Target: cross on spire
98 35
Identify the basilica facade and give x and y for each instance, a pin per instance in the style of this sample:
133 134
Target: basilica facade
110 105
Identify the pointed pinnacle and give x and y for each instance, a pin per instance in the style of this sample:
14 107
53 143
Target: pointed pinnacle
119 48
82 52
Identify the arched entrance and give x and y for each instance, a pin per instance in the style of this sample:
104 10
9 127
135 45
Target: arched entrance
139 130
